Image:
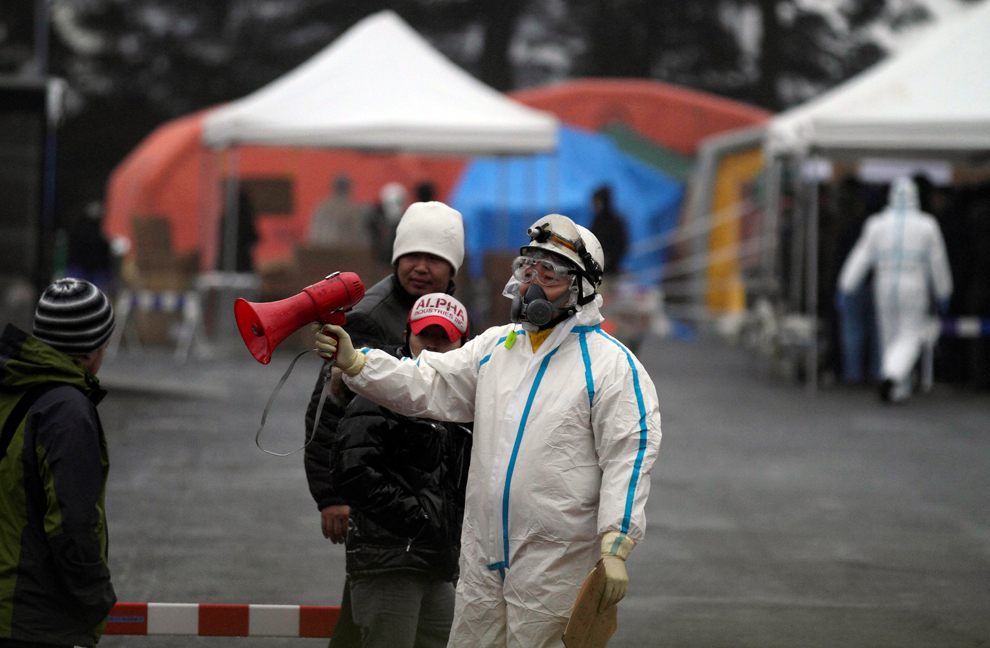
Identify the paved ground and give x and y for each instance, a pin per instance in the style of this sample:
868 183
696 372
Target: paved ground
776 519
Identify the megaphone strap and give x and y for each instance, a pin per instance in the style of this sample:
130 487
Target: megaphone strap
324 374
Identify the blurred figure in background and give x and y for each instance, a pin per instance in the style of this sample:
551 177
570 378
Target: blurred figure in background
246 238
384 218
338 221
610 228
904 247
425 192
89 254
858 343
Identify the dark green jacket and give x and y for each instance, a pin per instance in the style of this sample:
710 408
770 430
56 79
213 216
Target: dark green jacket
54 582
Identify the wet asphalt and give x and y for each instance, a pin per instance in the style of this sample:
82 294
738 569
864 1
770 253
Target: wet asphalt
776 519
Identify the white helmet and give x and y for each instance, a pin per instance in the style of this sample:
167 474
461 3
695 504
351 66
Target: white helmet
562 236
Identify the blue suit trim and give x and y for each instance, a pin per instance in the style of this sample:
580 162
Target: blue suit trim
587 367
637 466
501 566
497 345
515 453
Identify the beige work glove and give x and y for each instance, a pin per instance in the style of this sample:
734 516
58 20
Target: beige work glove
615 549
333 344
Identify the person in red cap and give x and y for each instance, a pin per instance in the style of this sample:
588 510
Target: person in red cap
404 479
428 251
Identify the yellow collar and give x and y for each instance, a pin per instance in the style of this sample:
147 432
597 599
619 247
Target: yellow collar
537 339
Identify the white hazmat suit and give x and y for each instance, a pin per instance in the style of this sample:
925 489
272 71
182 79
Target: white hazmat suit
564 441
905 248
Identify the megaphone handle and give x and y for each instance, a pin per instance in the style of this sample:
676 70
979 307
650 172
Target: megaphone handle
333 356
338 318
324 374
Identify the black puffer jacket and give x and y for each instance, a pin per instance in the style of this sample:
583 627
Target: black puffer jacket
404 479
379 320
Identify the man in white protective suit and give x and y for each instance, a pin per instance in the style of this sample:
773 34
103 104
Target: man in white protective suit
566 431
904 247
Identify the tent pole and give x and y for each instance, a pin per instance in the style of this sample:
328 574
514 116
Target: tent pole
228 261
210 207
504 187
554 193
771 223
812 287
798 233
532 188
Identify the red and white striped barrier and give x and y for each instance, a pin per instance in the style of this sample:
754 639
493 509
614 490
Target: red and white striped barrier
215 620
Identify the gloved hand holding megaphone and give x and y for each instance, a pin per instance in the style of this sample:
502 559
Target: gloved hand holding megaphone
264 326
333 344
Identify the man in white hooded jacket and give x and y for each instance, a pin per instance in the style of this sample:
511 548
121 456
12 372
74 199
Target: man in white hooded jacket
905 248
567 429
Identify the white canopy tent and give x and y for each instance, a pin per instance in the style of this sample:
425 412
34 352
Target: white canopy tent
382 86
933 100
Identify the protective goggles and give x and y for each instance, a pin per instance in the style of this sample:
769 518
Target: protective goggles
541 271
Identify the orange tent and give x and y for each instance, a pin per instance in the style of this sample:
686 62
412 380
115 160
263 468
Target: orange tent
172 174
671 116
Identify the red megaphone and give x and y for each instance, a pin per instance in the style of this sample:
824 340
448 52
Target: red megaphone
264 326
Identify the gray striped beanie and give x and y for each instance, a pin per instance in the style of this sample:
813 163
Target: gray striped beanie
74 317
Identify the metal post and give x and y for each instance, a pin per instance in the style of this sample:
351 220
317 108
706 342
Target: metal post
46 242
553 183
41 38
503 210
770 232
701 225
228 260
798 234
812 288
531 190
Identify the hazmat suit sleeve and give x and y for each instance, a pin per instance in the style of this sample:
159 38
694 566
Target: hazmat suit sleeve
938 261
625 419
861 259
440 386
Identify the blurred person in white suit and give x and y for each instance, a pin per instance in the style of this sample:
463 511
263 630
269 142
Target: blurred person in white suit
905 249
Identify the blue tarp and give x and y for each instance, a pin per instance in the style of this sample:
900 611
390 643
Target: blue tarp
501 197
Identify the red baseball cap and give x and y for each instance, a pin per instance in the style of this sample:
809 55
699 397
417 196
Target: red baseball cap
440 309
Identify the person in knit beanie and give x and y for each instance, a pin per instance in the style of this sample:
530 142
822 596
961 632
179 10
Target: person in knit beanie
75 317
54 457
426 254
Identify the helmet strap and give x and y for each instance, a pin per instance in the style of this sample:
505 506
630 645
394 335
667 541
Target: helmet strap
592 272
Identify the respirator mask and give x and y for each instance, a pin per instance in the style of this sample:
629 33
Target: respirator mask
555 256
534 310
